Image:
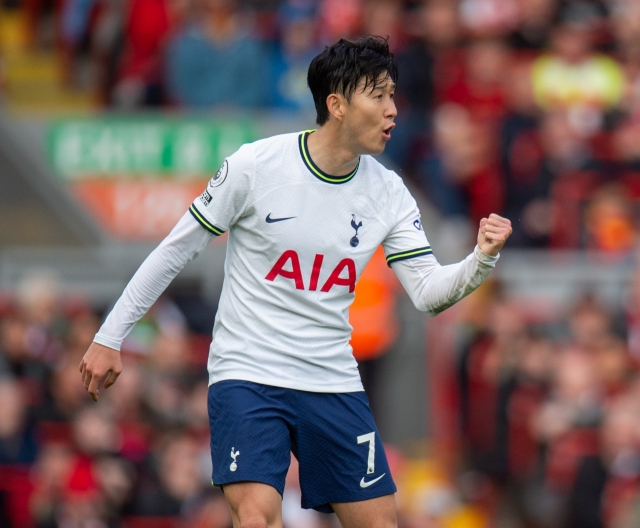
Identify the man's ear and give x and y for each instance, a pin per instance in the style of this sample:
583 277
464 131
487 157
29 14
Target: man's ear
337 106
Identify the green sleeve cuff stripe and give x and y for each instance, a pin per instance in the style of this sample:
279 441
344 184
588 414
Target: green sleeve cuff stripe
204 222
395 257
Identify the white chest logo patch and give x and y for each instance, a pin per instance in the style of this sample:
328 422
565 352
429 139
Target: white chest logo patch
234 455
220 176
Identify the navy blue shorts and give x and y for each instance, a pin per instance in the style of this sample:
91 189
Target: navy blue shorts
254 429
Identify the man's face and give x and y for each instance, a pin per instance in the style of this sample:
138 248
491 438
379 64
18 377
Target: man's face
369 116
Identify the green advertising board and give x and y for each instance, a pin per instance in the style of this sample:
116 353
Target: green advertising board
181 148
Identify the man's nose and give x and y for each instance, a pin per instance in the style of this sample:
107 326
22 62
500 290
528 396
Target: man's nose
392 111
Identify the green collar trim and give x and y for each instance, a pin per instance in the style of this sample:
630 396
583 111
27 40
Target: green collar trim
315 170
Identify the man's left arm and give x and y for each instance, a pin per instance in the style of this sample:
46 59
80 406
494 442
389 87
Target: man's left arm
434 288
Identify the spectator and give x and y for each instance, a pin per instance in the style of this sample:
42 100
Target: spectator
126 402
39 302
605 491
461 174
289 65
95 433
384 17
632 316
51 473
432 57
588 322
573 75
481 86
550 202
18 444
535 20
116 479
15 358
215 61
612 363
626 149
521 156
148 26
340 18
169 377
176 480
488 18
75 34
64 397
626 28
609 221
429 60
196 411
487 370
566 425
164 317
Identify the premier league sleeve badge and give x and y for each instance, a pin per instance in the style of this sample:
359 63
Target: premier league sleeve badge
220 176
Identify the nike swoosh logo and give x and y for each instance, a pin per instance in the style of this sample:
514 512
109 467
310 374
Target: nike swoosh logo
364 484
274 220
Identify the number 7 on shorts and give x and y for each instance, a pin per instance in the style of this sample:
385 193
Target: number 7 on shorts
371 438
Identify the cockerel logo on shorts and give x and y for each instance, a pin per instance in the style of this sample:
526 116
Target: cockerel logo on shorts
234 455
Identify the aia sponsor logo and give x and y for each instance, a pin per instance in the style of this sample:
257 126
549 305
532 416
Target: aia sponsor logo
344 274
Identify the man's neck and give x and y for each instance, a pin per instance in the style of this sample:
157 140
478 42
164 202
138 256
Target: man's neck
330 151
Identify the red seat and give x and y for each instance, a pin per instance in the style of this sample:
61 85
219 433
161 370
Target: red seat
54 432
199 346
15 482
152 522
565 453
569 193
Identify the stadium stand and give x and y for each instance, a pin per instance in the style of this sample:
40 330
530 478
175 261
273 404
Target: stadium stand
518 407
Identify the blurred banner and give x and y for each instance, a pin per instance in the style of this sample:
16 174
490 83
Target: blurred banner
137 176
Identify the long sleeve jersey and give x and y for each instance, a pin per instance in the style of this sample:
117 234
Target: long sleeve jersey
298 241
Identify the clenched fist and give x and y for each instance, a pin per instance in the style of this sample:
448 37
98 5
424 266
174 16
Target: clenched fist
98 363
493 233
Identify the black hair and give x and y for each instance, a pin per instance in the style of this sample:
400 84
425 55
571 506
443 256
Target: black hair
340 68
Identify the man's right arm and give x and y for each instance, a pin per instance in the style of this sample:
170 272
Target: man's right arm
187 239
184 243
212 213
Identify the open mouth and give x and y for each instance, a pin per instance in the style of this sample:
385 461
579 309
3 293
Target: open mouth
386 132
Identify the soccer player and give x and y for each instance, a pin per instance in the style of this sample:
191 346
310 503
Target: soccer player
304 212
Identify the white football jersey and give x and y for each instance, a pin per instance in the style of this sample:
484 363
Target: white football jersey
298 241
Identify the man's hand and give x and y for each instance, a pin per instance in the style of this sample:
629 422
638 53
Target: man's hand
493 233
98 362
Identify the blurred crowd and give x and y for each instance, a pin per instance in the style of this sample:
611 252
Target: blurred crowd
529 108
544 400
140 458
548 405
524 107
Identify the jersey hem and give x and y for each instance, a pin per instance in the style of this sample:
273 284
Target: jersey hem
325 507
254 478
283 384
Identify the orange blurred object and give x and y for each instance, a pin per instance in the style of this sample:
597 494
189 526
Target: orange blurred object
372 314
